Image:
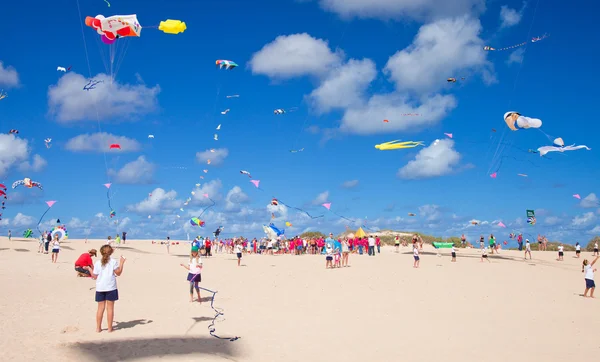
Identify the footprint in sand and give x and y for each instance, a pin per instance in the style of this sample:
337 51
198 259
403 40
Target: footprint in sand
69 329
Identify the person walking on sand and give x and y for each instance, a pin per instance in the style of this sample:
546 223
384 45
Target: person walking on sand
47 243
416 256
168 245
106 272
9 235
371 245
378 244
590 285
55 248
492 242
397 243
42 242
527 249
520 242
124 236
561 252
194 277
595 249
577 250
345 252
238 251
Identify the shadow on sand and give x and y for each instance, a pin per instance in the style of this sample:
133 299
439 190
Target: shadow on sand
21 250
131 324
140 348
133 250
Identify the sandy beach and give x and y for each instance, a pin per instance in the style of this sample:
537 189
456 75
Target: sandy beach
290 308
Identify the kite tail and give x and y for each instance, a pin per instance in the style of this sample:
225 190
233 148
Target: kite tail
299 209
218 313
208 207
343 217
108 198
41 218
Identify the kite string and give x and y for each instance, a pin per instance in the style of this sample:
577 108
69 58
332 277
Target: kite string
41 218
218 313
208 207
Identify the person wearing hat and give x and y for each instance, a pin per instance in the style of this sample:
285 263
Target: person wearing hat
84 264
527 249
515 121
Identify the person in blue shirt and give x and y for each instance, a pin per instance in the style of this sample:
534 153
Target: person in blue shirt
330 241
196 244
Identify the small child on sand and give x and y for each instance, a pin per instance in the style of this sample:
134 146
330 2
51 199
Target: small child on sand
590 285
484 255
329 256
577 250
106 272
416 256
527 249
561 252
55 248
194 277
453 254
238 251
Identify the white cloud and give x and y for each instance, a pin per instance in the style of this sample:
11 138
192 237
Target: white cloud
438 159
9 77
70 103
216 158
100 142
430 212
36 165
321 198
212 188
299 54
583 220
350 184
590 200
139 171
510 17
552 220
393 9
516 56
344 87
21 220
445 48
595 230
13 151
158 201
235 197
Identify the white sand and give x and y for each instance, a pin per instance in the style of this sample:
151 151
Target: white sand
289 308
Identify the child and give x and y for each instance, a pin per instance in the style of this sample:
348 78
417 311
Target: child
484 255
527 249
168 245
577 250
453 254
42 240
55 248
397 243
590 285
109 242
561 253
416 255
238 251
194 277
596 249
329 257
106 272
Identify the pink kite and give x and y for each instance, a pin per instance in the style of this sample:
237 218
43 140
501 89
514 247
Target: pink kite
50 203
255 182
501 224
494 175
448 134
577 196
205 195
327 205
107 186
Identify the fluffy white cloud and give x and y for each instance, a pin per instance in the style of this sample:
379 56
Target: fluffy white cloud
590 200
69 103
345 86
595 231
584 220
438 159
445 48
158 201
8 76
100 142
13 151
139 171
212 188
350 184
300 54
321 198
37 164
21 220
516 56
430 213
510 17
216 158
552 220
392 9
235 197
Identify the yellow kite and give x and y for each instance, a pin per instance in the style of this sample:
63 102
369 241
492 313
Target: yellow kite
395 145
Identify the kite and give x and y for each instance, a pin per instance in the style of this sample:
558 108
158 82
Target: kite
14 131
279 111
150 136
197 222
531 217
50 204
474 222
208 162
494 175
275 202
451 80
411 214
216 137
246 173
212 150
115 146
27 183
218 231
61 69
448 134
288 224
234 96
61 231
501 224
395 145
28 233
296 151
114 27
227 64
544 150
272 231
255 183
327 205
515 121
225 111
47 141
112 212
533 40
92 84
522 175
218 127
170 26
386 121
577 196
3 94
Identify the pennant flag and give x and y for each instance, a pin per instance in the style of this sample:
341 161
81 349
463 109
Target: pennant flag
107 186
448 134
501 224
255 182
327 205
494 175
577 196
50 203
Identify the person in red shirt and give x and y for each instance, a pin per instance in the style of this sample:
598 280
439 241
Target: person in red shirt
84 264
378 244
207 247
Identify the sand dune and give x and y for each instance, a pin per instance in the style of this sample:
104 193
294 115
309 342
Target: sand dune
289 308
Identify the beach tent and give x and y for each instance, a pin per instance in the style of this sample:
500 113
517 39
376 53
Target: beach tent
360 233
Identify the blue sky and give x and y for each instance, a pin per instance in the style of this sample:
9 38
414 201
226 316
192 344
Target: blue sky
340 68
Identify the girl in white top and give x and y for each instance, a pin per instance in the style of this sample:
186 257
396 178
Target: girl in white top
194 276
596 249
416 256
106 272
239 248
527 249
345 252
590 285
453 254
484 255
328 256
561 252
577 250
55 248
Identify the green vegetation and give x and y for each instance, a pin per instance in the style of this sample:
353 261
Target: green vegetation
312 235
590 245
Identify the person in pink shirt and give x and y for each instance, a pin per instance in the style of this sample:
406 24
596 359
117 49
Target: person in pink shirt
378 244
